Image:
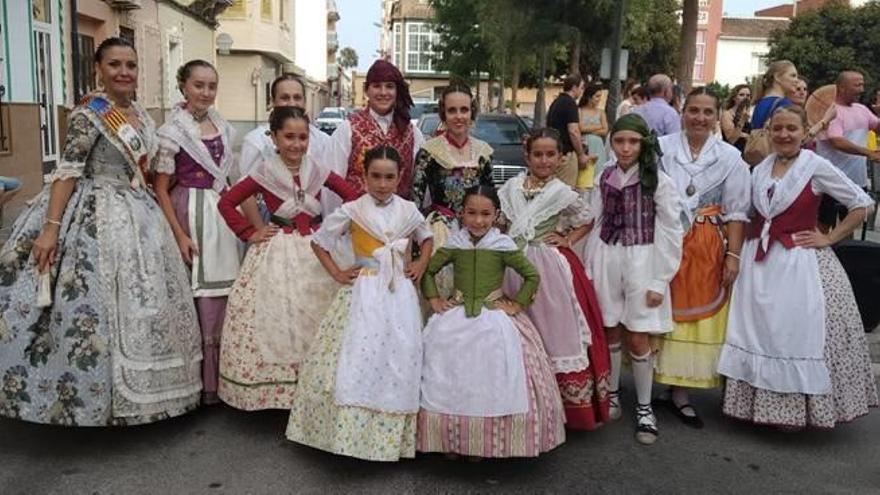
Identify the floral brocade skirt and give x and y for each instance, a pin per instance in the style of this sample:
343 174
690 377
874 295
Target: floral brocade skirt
120 344
274 311
853 390
318 421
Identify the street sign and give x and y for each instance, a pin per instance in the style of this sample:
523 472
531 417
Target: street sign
605 68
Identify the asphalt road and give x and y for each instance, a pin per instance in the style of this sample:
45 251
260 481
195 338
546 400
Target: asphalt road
219 450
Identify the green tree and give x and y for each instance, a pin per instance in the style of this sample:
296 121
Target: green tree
347 58
823 42
461 49
651 36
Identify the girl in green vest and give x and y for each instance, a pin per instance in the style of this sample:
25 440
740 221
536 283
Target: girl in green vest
488 389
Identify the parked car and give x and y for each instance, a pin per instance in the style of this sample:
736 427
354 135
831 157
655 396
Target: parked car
330 118
503 132
419 109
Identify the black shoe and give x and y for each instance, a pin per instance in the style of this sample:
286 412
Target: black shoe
693 421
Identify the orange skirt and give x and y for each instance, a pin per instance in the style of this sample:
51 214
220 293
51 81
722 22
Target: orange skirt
697 292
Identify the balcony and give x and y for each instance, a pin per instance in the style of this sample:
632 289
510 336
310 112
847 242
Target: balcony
124 4
332 41
332 72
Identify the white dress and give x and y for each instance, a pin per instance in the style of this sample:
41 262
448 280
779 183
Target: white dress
484 352
776 331
381 357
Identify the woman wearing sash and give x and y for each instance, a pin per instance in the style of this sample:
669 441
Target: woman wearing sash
195 157
713 185
111 337
447 166
282 292
386 120
795 353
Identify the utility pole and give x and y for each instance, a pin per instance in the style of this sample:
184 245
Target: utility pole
539 99
614 97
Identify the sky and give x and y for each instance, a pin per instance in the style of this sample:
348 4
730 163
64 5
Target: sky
356 28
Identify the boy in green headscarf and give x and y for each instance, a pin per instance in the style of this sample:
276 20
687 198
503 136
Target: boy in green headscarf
633 256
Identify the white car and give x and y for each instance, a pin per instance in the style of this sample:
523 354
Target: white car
330 118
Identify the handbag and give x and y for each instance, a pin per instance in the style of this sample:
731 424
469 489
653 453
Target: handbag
758 144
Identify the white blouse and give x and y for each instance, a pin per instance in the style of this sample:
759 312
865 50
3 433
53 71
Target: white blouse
257 145
718 165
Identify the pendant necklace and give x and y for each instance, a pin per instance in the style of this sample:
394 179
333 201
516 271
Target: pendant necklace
691 189
298 191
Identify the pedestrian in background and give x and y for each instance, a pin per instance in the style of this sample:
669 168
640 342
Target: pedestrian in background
629 102
800 93
779 81
660 114
845 142
735 119
564 117
594 129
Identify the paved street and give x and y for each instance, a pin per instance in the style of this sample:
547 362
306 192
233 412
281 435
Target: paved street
220 450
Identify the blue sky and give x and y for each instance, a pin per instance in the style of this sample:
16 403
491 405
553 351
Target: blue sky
356 27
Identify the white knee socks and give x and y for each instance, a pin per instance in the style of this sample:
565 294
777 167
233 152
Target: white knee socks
643 375
614 382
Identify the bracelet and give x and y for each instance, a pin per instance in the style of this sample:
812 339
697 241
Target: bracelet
735 255
53 222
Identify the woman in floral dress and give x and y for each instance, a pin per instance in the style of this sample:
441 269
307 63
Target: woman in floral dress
111 335
449 164
283 292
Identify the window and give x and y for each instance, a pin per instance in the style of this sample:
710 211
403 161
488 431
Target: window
127 34
700 59
85 49
173 60
237 9
420 39
266 10
41 11
397 48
